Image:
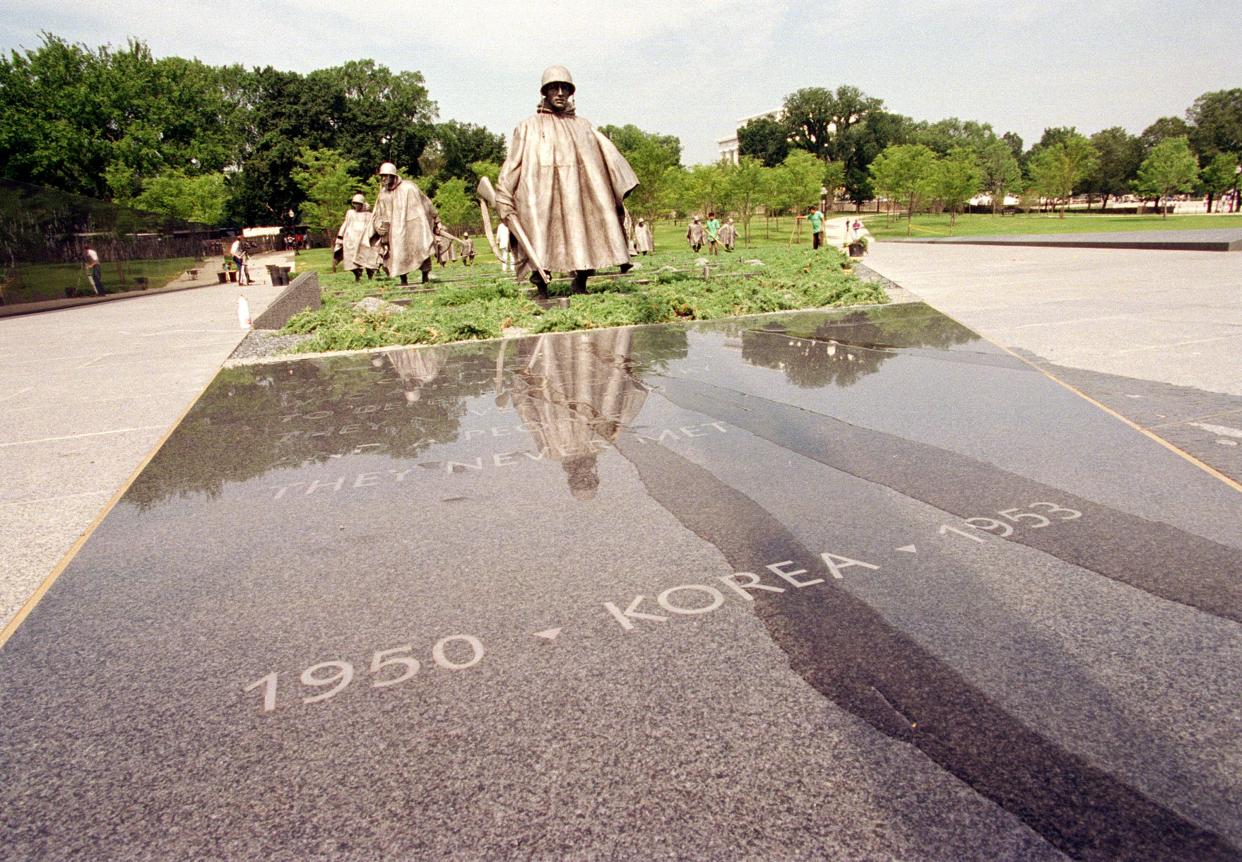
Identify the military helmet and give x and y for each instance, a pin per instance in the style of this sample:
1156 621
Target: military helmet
358 199
388 169
556 75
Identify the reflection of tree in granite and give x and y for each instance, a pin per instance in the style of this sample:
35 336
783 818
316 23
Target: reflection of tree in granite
817 350
574 393
258 418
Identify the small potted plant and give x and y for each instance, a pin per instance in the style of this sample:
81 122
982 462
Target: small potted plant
858 247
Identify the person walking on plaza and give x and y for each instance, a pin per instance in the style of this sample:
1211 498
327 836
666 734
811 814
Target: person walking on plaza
728 234
406 221
713 234
238 253
353 240
694 234
816 220
93 270
562 190
467 249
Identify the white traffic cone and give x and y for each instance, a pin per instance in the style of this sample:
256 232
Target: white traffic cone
243 313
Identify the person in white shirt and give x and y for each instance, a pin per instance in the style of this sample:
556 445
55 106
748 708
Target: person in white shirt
92 269
238 253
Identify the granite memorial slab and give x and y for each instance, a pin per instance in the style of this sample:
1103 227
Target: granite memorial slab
850 584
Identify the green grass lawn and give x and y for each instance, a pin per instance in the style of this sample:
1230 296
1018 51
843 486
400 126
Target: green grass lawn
928 225
37 282
480 301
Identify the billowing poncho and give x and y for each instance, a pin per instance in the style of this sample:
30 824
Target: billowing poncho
407 219
566 183
642 237
357 250
728 234
694 233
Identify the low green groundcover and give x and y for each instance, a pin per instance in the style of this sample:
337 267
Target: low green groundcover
480 301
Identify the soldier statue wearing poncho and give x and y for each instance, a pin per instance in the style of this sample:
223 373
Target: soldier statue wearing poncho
406 221
565 184
353 240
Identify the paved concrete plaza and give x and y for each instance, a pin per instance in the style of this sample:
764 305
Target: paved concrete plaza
1189 239
1155 335
824 585
85 393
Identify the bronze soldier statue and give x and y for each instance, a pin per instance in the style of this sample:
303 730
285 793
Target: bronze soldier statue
565 185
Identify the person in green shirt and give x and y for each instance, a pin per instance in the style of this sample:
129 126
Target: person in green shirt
816 218
713 234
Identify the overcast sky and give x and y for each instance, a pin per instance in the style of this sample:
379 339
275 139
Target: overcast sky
693 69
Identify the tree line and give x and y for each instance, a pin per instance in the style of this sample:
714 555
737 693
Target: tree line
231 145
869 151
219 144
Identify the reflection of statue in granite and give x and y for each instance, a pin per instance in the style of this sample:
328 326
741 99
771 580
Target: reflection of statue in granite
416 367
574 394
564 183
354 240
406 221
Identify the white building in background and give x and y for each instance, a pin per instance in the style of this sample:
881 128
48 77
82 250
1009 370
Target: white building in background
728 147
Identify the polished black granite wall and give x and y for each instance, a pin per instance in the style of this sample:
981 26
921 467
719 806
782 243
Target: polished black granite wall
825 584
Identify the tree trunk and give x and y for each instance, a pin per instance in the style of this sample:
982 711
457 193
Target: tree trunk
1104 202
910 215
1164 211
1209 203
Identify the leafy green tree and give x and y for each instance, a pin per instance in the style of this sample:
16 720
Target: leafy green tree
999 170
765 139
903 172
491 170
173 193
819 120
1161 130
326 178
956 179
1058 167
1170 167
1218 175
945 135
1119 156
746 184
462 144
457 209
804 176
1217 122
834 179
1014 142
673 190
862 142
650 155
707 188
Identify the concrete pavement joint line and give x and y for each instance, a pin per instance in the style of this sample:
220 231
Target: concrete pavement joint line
1174 344
78 436
1111 412
16 394
41 591
1163 442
